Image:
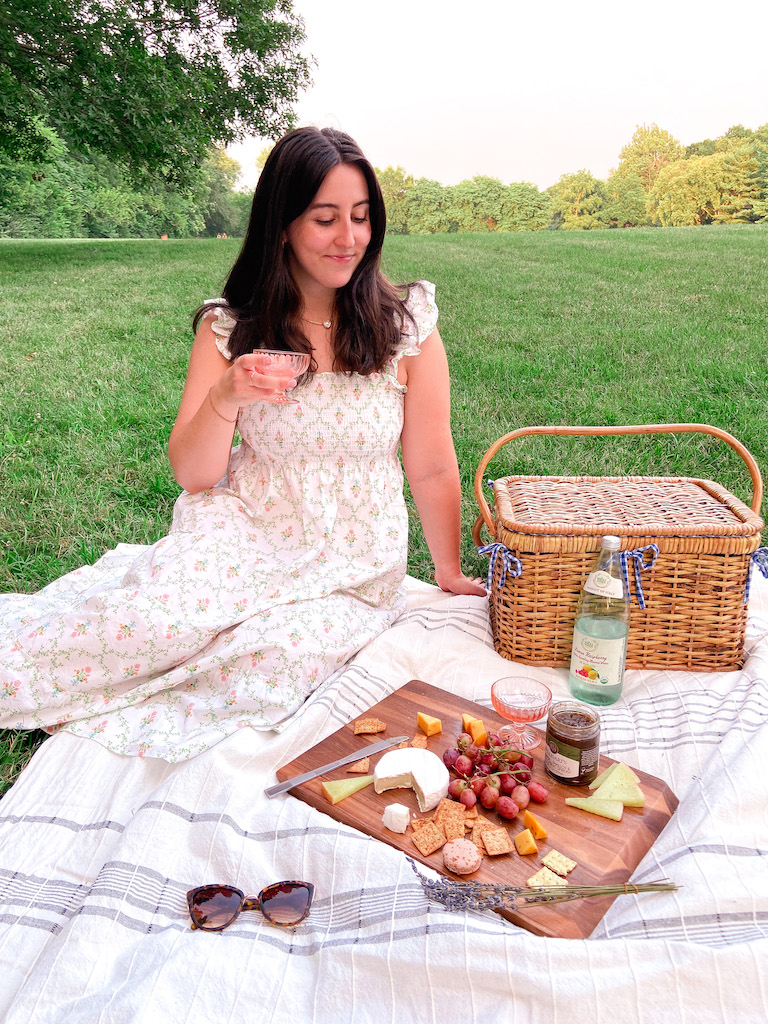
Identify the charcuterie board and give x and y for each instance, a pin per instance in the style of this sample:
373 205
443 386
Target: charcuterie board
606 852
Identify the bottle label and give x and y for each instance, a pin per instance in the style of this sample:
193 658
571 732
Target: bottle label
598 661
603 584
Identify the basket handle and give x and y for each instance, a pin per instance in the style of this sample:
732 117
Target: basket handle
654 428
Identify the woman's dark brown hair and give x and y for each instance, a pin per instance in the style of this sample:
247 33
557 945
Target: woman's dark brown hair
260 293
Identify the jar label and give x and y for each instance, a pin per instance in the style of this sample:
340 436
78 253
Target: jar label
603 584
598 661
561 759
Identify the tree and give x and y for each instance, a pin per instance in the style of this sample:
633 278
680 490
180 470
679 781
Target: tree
650 149
688 191
478 204
525 208
152 83
626 203
745 196
577 201
428 208
395 185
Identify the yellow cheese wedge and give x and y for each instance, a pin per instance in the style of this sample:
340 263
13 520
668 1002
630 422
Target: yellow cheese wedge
465 720
339 789
428 725
525 843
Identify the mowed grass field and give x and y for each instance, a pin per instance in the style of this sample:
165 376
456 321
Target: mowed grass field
599 327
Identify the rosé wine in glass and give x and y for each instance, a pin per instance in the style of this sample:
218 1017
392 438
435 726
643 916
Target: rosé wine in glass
281 364
520 701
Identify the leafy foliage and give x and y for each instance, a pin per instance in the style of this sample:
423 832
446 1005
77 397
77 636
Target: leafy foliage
150 83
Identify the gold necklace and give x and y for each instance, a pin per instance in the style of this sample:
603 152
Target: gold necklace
318 323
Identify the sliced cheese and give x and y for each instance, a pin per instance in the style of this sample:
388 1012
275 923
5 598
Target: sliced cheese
412 768
428 725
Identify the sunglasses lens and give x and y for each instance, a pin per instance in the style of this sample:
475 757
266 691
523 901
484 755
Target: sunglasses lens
286 903
215 906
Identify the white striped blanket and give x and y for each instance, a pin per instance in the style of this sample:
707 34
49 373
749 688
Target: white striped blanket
97 852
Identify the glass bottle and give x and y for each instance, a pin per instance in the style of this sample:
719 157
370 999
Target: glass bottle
601 630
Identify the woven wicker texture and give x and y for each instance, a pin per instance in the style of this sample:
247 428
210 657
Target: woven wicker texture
695 615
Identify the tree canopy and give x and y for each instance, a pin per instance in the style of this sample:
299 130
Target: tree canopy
152 83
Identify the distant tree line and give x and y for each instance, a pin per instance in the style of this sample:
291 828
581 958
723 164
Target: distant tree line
73 195
657 181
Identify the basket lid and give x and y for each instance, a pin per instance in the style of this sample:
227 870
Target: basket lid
625 506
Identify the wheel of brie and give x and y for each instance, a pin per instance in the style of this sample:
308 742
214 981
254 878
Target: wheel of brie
416 769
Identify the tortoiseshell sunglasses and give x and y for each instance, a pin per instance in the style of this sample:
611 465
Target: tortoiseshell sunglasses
214 907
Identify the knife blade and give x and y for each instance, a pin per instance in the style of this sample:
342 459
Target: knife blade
356 755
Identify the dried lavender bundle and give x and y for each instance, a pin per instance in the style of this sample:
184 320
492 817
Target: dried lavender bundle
494 896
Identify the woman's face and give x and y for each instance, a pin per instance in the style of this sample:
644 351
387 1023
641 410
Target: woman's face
329 239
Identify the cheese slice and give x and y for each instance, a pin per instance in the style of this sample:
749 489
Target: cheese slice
416 769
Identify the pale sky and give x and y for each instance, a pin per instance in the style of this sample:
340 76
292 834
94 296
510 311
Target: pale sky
526 91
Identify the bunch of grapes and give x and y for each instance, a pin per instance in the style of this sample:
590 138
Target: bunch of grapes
499 777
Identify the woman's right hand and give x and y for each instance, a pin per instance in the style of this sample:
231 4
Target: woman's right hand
246 381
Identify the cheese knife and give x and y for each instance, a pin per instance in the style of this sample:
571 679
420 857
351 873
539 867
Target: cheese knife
356 755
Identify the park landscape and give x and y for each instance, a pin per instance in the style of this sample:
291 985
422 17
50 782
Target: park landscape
635 299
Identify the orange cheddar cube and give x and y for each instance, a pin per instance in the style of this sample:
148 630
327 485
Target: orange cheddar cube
428 725
532 822
465 720
477 732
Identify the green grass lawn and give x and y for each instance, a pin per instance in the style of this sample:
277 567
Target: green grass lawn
599 327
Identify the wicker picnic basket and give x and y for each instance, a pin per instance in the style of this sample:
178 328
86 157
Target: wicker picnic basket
549 528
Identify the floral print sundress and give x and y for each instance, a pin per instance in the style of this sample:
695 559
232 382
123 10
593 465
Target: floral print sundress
265 585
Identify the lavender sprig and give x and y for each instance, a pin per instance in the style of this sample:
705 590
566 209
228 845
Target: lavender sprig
497 896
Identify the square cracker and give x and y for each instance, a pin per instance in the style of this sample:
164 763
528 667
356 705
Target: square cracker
417 823
453 828
545 877
428 839
419 741
360 766
558 863
367 726
497 841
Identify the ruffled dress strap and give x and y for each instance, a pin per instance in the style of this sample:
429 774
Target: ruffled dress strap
222 326
421 305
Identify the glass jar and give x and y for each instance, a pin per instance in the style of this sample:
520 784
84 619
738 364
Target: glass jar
573 743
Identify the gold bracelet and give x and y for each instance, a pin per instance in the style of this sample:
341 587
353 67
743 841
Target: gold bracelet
217 411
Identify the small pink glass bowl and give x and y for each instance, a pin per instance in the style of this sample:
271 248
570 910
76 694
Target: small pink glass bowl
520 700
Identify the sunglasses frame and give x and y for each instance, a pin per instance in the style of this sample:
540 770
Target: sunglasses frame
249 903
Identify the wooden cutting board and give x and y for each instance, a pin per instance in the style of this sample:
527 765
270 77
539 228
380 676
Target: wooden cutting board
606 852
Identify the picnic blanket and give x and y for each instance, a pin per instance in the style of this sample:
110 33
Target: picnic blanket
97 851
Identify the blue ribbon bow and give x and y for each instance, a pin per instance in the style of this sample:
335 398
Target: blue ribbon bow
509 563
760 559
638 557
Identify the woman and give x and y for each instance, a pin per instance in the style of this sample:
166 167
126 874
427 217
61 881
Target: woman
286 554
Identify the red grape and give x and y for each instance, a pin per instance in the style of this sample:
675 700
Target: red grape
455 788
538 792
468 798
507 782
463 765
526 759
489 797
493 740
450 757
522 776
507 807
477 784
521 796
472 752
463 741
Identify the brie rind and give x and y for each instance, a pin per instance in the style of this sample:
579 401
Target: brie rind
413 768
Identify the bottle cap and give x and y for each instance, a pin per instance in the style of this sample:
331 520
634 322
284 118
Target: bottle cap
611 543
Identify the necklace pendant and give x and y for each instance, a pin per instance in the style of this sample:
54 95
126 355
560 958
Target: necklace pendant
327 324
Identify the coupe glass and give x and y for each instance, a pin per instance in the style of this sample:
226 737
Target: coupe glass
282 364
521 701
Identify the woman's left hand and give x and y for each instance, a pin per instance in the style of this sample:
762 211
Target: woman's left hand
458 583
